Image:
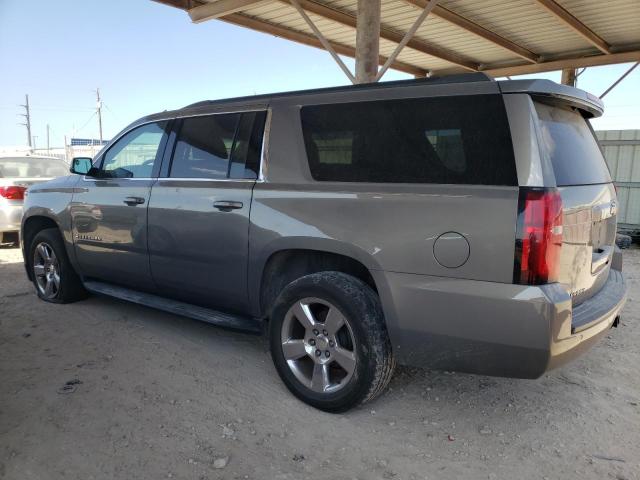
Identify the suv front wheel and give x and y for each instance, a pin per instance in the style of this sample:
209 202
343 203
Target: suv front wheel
53 276
329 341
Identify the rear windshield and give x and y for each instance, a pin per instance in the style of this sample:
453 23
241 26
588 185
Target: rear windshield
455 140
30 167
572 147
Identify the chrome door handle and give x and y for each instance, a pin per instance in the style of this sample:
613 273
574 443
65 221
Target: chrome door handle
133 201
227 205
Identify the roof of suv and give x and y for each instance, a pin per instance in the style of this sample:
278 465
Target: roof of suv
544 89
462 78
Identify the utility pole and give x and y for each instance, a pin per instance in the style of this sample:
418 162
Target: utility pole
48 149
99 111
27 117
34 141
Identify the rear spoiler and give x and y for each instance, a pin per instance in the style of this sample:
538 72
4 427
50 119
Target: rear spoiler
551 92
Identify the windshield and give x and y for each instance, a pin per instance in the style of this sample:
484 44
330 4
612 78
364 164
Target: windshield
32 167
572 147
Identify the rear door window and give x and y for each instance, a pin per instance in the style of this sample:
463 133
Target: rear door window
572 147
219 146
204 145
448 140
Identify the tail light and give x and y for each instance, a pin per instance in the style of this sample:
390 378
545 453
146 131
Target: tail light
538 236
14 192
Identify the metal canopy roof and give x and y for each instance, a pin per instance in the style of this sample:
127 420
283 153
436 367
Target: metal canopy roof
499 37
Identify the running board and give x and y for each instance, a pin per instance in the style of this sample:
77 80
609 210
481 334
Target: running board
235 322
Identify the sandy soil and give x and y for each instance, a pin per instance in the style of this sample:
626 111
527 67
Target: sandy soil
156 396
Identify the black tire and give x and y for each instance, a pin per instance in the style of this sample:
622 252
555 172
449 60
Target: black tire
69 288
360 307
623 241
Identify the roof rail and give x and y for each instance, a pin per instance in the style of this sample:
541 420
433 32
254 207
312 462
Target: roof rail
460 78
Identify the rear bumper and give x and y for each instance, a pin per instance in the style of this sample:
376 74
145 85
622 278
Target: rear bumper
492 328
589 321
10 217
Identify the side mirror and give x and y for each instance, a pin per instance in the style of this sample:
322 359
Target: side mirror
81 165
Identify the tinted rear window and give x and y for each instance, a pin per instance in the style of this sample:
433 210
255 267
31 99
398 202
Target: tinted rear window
462 139
572 147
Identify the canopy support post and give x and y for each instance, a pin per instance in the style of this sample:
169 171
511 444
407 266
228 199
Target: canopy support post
569 77
367 41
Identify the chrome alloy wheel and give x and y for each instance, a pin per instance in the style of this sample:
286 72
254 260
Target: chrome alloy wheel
46 270
318 345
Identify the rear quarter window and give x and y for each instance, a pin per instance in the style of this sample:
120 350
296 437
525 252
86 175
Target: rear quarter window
446 140
568 139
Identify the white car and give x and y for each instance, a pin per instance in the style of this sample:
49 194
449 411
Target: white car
17 173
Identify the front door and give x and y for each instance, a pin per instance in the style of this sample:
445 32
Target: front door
199 211
109 210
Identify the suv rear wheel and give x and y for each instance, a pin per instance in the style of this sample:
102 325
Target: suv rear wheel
53 276
329 342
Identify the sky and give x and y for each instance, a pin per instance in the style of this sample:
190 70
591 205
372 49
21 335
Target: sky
147 57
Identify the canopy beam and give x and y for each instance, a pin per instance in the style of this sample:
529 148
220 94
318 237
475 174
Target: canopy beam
349 20
622 77
572 62
311 40
436 58
410 33
568 19
325 43
478 30
219 8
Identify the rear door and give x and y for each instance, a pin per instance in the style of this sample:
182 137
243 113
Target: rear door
588 198
199 210
109 211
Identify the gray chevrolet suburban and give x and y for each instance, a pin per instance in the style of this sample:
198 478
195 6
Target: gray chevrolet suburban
455 223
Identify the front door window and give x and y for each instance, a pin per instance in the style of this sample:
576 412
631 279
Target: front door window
136 153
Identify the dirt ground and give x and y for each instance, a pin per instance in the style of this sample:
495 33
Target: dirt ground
156 396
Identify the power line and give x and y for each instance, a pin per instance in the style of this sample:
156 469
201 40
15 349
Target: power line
111 112
57 108
85 123
62 109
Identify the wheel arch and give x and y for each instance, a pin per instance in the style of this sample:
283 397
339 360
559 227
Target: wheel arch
287 262
30 228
